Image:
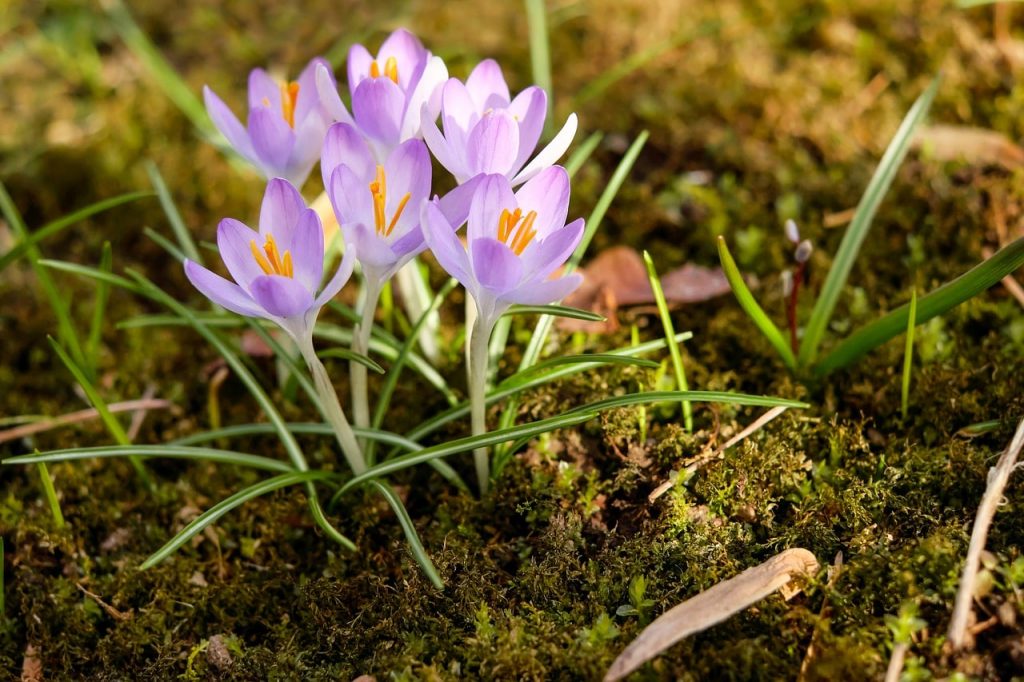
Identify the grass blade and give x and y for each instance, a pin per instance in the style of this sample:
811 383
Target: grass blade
751 307
51 494
301 428
948 296
347 354
181 233
172 451
92 273
670 338
580 155
572 417
218 510
65 327
540 53
99 309
603 358
114 427
242 372
57 226
413 538
908 355
556 311
861 223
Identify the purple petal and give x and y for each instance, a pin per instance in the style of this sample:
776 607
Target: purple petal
530 108
234 240
487 86
330 100
350 196
281 296
371 249
457 106
455 205
408 170
543 293
550 154
307 249
308 99
441 150
309 140
264 92
272 139
377 106
222 292
542 258
492 196
493 144
280 212
547 193
408 52
444 243
228 124
341 276
345 146
409 244
359 60
495 266
424 104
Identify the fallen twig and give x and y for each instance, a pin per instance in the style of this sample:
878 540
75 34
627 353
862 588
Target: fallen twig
81 416
998 476
712 606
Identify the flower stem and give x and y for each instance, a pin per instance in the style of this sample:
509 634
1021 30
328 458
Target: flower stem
477 365
357 370
333 413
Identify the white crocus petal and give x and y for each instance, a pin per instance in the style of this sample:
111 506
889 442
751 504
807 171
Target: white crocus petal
422 102
551 153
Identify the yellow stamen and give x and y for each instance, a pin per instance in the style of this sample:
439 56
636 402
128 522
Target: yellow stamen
271 260
390 69
398 213
379 190
289 95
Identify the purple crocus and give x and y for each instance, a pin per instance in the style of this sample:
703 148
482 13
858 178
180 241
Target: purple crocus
286 123
377 204
278 269
485 131
391 91
515 242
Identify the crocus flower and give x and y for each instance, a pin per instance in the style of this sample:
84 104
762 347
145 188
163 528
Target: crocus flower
485 131
278 269
515 242
377 204
286 125
390 92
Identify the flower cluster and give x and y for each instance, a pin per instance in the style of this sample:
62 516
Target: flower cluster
375 161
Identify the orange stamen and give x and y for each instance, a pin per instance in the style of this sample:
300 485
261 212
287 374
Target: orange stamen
398 213
289 95
390 69
525 234
270 259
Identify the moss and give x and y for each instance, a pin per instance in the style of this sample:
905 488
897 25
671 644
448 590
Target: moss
753 119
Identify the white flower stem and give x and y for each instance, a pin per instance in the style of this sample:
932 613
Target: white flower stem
361 345
477 365
332 411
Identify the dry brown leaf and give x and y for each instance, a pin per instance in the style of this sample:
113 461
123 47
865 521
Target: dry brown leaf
617 277
973 145
712 606
31 666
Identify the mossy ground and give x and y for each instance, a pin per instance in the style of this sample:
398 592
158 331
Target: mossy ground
769 101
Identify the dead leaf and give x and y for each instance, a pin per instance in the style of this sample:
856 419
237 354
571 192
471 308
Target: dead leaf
617 277
973 145
712 606
31 666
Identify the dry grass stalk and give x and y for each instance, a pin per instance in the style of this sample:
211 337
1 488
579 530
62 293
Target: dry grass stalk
712 606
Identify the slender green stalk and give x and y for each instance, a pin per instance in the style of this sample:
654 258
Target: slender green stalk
670 338
477 365
361 346
415 544
181 232
540 52
333 413
3 602
51 494
908 355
